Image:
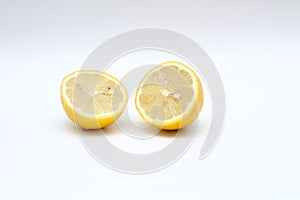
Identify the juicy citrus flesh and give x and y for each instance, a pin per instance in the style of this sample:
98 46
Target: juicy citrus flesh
169 96
93 99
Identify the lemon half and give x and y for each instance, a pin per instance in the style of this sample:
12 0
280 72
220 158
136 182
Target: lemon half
93 99
169 96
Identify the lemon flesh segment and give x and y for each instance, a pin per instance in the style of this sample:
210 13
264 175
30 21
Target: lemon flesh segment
169 96
93 99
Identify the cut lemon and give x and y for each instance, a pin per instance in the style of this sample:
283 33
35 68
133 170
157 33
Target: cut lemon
169 96
93 99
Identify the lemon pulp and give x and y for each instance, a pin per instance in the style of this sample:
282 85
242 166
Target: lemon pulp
93 99
169 96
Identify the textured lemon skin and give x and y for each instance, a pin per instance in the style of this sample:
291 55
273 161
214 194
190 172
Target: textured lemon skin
88 121
184 120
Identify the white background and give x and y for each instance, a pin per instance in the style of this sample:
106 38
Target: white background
255 46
